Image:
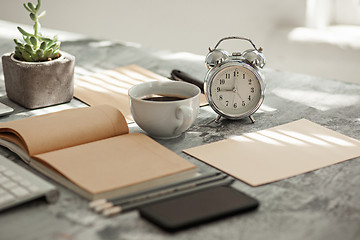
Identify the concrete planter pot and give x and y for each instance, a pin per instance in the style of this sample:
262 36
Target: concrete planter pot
39 84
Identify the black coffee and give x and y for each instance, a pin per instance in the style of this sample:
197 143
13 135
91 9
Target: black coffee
164 98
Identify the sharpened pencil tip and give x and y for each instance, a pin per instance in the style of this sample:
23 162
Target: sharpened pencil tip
95 203
112 211
104 206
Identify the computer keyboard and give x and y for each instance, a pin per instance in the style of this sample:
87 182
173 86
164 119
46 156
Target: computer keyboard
18 185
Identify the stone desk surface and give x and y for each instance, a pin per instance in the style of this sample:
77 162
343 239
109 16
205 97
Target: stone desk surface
323 204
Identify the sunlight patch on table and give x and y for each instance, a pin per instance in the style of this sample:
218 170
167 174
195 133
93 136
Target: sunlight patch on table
335 140
320 100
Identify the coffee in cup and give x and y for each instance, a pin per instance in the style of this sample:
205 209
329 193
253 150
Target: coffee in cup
164 109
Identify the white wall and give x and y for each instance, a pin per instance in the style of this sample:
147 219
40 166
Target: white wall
186 25
194 25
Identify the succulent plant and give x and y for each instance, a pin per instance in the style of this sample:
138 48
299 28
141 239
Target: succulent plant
36 47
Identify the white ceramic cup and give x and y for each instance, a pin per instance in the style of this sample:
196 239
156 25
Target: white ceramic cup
164 119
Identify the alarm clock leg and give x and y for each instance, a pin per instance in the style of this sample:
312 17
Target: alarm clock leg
217 120
252 119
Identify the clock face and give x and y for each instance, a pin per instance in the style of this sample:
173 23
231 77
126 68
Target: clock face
235 91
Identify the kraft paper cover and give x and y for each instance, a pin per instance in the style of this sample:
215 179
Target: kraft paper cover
116 162
111 87
278 153
64 129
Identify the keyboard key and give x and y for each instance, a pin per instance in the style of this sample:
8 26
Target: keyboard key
6 198
8 173
9 185
17 185
2 192
25 183
19 191
34 188
3 179
17 178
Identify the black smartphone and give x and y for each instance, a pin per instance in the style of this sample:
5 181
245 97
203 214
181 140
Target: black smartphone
192 209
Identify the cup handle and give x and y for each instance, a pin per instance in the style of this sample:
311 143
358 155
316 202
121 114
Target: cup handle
183 113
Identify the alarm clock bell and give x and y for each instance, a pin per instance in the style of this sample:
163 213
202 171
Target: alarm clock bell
215 57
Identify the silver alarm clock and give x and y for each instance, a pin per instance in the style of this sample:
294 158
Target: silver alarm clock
234 85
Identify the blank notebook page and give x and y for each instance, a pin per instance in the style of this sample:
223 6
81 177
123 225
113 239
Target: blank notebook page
279 152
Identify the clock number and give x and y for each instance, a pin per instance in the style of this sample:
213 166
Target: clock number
227 103
249 97
250 81
227 75
243 103
235 105
243 75
222 81
236 73
220 97
252 89
218 89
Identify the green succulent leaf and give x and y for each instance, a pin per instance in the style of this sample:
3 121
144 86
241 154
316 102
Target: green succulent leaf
27 39
27 8
33 41
28 48
46 39
43 45
48 53
33 17
52 42
32 7
52 46
18 43
18 54
42 14
18 51
38 5
56 53
40 53
57 46
26 56
35 57
23 32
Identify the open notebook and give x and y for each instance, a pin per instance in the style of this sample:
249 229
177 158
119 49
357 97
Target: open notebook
91 151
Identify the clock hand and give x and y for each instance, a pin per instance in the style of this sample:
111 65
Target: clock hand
237 92
226 90
233 99
239 96
236 86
